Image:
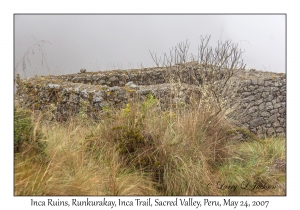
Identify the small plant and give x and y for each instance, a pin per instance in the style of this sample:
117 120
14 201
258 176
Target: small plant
126 110
37 49
130 140
23 128
26 132
83 109
151 101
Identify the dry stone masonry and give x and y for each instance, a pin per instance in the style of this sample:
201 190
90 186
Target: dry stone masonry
263 105
260 105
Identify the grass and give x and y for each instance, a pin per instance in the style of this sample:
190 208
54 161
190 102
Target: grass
144 150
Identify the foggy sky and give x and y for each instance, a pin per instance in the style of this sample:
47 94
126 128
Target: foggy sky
102 42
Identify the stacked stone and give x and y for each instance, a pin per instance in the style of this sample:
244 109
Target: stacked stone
66 98
150 76
262 106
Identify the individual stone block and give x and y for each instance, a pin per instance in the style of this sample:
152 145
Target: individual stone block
269 106
95 77
256 122
279 130
271 131
102 82
261 106
268 83
252 109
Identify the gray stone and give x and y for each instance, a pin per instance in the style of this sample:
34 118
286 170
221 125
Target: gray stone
122 96
267 89
74 98
274 111
129 83
82 70
83 93
248 99
268 83
101 82
114 88
260 89
251 88
254 114
281 120
265 114
261 106
246 94
274 89
258 97
273 118
269 106
53 86
259 102
265 94
77 90
276 124
88 78
134 86
279 130
97 97
270 131
95 77
74 79
279 99
260 81
254 81
252 109
270 97
145 92
132 76
256 122
260 130
113 79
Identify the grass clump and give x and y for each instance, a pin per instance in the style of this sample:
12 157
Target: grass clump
257 167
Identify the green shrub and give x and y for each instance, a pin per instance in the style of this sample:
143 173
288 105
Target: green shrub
23 128
24 132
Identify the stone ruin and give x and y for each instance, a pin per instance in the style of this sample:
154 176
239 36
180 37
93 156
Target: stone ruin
261 104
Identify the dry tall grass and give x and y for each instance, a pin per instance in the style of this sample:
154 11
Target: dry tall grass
143 150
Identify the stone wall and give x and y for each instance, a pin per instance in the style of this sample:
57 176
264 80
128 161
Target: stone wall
262 106
260 101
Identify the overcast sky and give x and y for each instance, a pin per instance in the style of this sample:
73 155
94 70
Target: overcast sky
102 42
